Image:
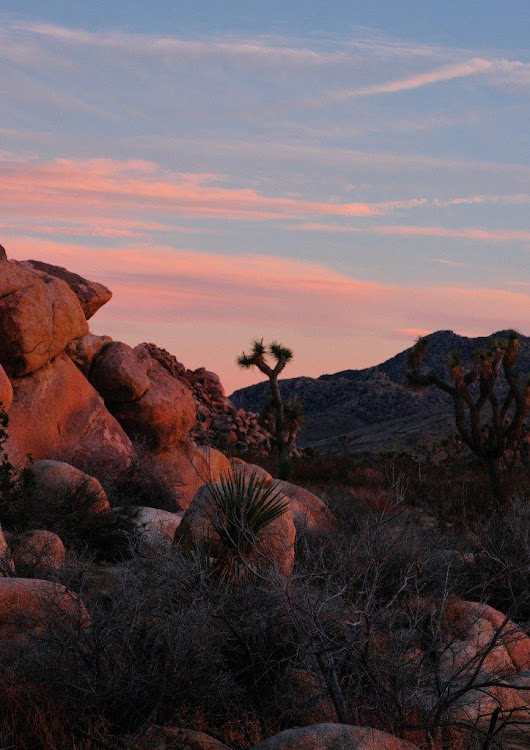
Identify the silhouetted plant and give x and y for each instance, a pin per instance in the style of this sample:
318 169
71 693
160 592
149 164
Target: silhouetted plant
16 486
489 440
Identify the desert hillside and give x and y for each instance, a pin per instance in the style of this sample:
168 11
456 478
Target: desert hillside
375 407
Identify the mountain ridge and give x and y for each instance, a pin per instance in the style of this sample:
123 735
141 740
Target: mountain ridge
374 406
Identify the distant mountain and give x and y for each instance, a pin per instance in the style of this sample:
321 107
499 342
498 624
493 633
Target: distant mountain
375 407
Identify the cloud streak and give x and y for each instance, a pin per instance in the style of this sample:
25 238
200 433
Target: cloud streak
418 80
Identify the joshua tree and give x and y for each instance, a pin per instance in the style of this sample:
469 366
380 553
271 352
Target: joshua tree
280 356
509 401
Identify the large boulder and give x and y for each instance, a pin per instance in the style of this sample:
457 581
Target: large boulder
29 607
185 467
334 737
119 373
307 509
83 351
154 407
56 414
274 547
37 552
90 294
490 653
39 316
175 738
6 390
68 486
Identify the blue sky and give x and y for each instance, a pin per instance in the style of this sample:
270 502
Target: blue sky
337 175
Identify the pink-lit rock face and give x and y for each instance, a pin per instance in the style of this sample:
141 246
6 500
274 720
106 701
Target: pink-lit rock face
56 414
185 467
153 407
6 390
90 294
39 316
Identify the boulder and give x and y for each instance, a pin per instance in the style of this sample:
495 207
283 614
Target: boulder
185 467
274 547
39 316
69 486
90 294
6 390
119 373
3 254
334 737
248 470
307 509
30 606
38 552
483 645
154 407
56 414
84 350
156 528
174 738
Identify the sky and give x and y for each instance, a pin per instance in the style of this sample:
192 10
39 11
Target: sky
341 177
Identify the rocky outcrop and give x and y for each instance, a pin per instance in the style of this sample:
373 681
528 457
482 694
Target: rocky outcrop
274 547
39 316
334 737
219 423
57 414
65 485
90 294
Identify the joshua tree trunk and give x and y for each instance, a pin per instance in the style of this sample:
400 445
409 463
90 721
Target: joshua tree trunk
279 422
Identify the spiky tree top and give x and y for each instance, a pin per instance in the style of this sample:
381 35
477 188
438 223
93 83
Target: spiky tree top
279 354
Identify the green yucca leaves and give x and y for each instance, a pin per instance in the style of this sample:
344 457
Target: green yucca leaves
242 509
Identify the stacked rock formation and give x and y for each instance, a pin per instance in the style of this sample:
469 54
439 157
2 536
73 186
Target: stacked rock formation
219 423
87 400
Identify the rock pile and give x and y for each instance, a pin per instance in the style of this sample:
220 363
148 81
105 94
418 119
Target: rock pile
219 423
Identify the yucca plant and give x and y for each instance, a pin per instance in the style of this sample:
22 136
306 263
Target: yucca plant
243 507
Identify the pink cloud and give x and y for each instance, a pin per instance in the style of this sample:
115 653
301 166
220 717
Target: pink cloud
206 307
106 187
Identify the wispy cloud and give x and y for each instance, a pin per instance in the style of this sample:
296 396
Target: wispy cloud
467 233
444 73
